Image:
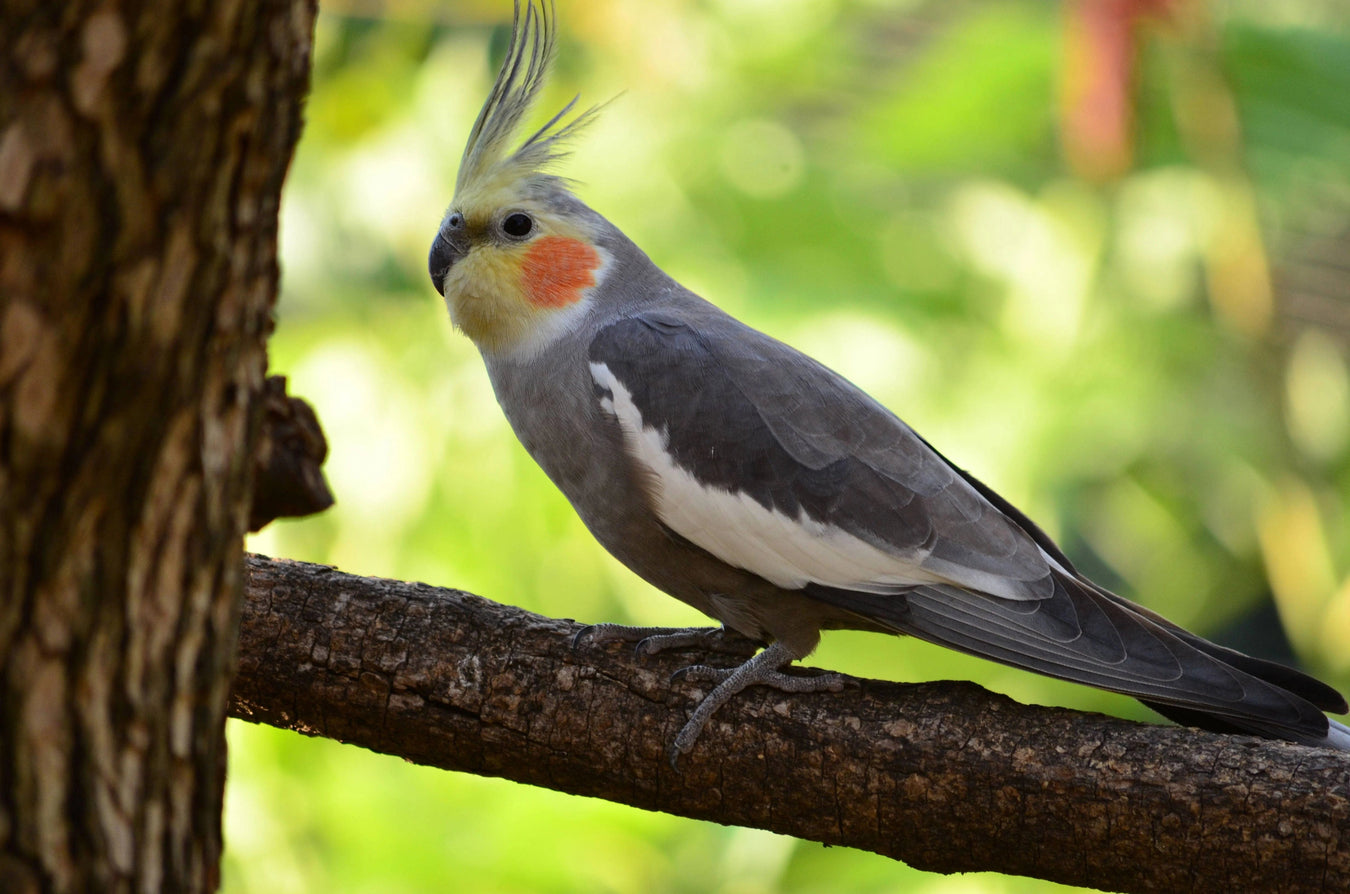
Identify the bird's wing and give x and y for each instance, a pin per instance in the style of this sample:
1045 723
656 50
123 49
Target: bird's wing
776 464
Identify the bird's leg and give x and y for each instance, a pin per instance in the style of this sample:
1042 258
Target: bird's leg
761 670
653 640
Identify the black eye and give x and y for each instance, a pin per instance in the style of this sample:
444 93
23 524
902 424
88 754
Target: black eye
517 225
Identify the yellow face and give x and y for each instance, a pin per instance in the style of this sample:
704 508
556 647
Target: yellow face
524 264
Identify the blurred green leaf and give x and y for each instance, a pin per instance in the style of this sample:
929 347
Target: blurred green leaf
878 183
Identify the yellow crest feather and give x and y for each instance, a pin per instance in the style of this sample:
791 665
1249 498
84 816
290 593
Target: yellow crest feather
519 83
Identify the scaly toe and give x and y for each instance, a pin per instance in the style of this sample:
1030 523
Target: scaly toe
814 683
704 639
599 634
701 673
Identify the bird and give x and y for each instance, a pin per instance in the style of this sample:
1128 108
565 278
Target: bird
757 485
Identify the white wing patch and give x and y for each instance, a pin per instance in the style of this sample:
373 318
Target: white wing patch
789 552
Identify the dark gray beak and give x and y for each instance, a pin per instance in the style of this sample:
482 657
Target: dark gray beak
451 244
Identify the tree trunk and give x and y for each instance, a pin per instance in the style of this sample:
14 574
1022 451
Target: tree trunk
142 152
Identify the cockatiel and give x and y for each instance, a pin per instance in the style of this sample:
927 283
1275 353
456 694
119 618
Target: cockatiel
760 487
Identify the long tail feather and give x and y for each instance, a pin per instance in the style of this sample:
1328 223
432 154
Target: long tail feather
1088 635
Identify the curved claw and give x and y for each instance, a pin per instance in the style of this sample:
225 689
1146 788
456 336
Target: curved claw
582 634
673 755
686 737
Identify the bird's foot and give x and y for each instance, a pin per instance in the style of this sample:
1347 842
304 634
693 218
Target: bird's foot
761 670
703 673
654 640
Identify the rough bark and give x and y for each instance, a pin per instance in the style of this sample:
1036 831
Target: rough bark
944 776
288 478
142 151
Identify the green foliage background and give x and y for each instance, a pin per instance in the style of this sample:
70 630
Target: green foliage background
1153 365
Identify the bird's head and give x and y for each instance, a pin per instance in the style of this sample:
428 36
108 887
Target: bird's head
516 255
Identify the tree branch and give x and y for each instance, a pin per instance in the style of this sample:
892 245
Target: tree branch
944 776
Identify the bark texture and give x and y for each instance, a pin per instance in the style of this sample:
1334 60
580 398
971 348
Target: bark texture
288 478
944 776
142 150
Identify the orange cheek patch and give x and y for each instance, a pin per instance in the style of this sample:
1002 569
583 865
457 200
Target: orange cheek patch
556 269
